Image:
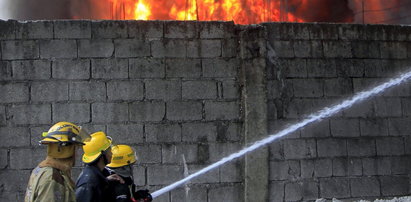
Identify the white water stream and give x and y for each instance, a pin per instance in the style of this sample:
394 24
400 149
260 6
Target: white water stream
326 112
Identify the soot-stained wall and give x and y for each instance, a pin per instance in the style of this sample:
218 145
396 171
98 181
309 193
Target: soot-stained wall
204 90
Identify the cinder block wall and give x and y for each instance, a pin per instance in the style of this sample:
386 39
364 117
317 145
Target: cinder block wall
362 152
186 88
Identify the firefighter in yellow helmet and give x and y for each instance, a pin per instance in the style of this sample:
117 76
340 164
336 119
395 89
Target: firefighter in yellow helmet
121 163
51 179
92 184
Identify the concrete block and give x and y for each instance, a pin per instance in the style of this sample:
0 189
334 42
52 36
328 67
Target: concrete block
184 111
71 69
364 109
109 112
69 29
58 49
366 49
305 190
345 127
387 107
210 178
109 68
14 180
350 68
14 50
351 32
406 106
147 111
146 68
211 30
222 110
14 92
321 68
175 29
163 133
125 48
173 154
232 172
227 193
49 91
5 70
34 30
292 68
87 90
199 132
400 165
337 49
331 147
388 146
407 141
276 191
4 155
361 147
72 112
169 48
163 89
374 127
163 174
365 186
193 90
283 49
308 87
320 129
231 89
32 157
139 173
194 193
229 132
334 188
126 133
7 29
149 154
2 115
14 137
300 149
316 168
30 114
394 185
204 48
284 170
302 49
276 150
31 69
221 150
393 50
378 166
108 29
217 68
324 31
186 68
145 29
230 48
125 90
338 87
280 124
95 48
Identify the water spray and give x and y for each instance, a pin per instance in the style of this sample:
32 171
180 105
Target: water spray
323 113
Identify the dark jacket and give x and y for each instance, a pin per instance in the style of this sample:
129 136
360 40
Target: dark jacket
122 192
92 185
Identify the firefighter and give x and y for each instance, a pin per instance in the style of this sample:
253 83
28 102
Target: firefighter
92 184
51 179
121 163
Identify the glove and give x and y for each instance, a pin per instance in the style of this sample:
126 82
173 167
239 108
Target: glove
143 195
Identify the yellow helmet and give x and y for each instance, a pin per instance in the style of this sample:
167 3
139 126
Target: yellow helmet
122 155
63 133
94 147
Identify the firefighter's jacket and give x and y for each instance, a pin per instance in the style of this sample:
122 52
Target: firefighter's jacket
92 185
51 185
122 192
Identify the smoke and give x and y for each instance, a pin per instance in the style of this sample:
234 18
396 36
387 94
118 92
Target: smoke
381 11
321 10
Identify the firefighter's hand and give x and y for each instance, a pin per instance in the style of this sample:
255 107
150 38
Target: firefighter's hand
143 195
115 177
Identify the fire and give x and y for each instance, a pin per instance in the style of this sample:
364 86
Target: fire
141 11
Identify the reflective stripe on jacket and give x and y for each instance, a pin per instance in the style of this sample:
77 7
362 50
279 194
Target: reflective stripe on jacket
49 184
